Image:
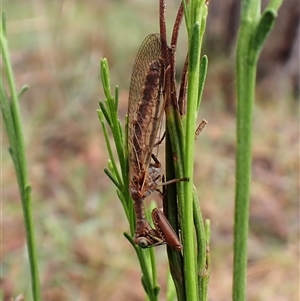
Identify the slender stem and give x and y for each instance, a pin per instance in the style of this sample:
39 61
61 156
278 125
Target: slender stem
145 263
12 118
252 34
109 111
151 250
243 172
189 254
182 133
171 211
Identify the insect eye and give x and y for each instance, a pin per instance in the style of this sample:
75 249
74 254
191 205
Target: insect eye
143 243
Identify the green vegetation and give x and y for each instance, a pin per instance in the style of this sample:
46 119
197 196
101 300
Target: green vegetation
253 31
78 220
108 114
12 118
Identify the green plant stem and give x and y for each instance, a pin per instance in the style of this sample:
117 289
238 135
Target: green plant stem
189 254
182 133
109 111
12 118
175 133
171 211
145 258
252 34
243 174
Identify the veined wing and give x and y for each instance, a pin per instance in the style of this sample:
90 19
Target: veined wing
146 104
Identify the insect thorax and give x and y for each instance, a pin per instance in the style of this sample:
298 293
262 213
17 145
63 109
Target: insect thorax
142 184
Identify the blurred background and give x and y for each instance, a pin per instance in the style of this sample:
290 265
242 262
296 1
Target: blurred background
55 48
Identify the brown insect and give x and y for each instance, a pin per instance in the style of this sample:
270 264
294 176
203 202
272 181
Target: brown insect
165 230
145 111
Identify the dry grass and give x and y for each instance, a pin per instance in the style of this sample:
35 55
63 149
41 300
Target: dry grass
79 222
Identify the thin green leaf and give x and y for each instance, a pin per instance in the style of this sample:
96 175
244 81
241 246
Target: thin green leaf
22 91
116 102
264 27
111 156
105 78
202 78
112 178
105 113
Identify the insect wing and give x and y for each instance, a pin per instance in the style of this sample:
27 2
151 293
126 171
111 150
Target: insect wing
145 105
165 230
